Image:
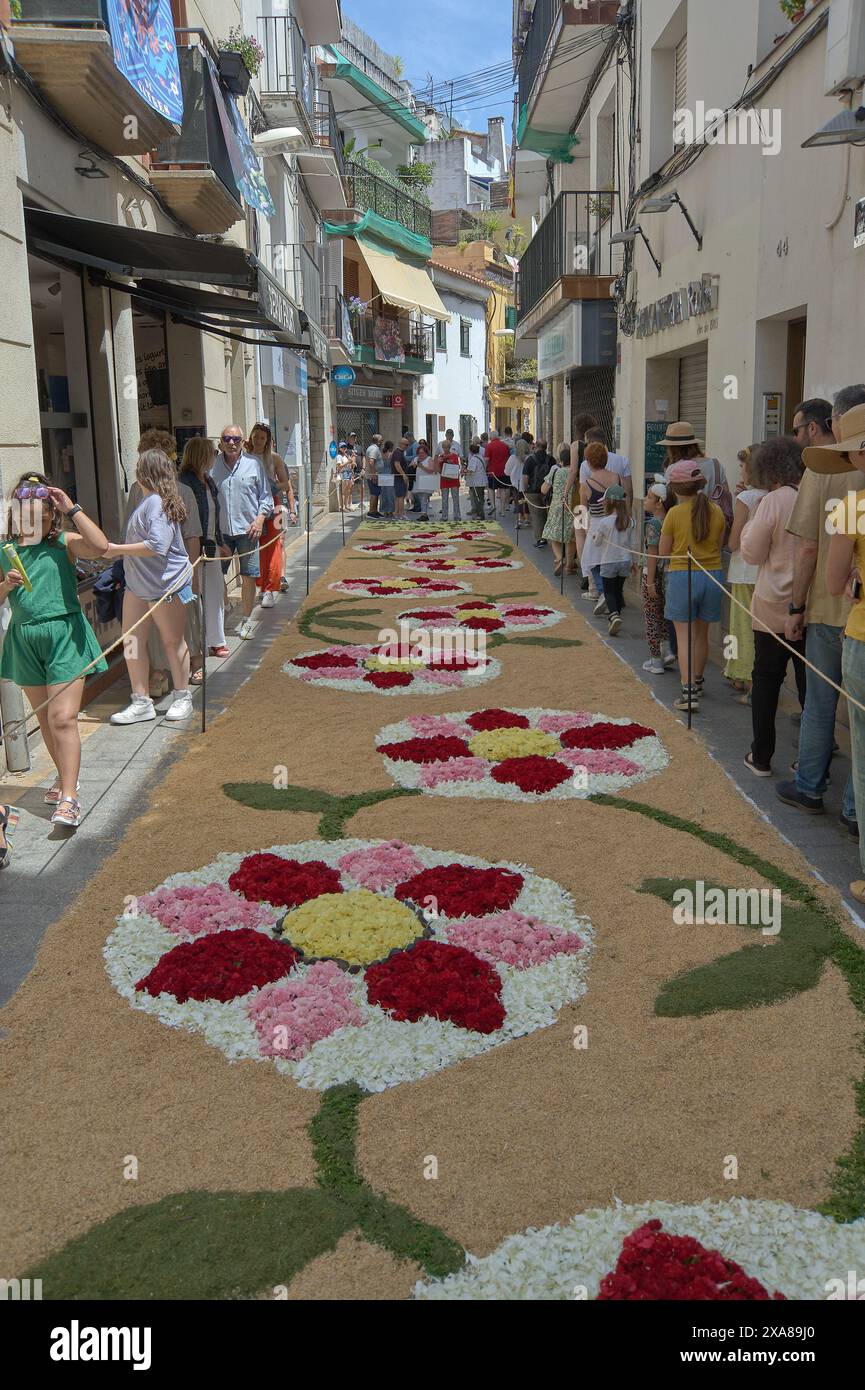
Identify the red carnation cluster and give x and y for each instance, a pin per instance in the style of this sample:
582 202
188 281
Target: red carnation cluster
426 750
434 980
603 735
461 891
427 614
485 719
449 662
529 612
269 878
388 680
222 966
321 659
532 773
482 624
478 603
483 563
656 1265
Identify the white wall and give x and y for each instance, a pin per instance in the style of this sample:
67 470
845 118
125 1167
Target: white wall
456 385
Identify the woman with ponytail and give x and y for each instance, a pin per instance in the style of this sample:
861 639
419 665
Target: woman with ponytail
156 564
694 525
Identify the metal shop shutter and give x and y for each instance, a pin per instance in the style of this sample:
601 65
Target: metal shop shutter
693 388
680 91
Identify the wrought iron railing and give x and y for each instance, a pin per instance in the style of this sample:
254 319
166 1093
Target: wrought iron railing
366 191
416 337
534 48
336 319
310 277
573 239
390 84
281 259
288 67
327 132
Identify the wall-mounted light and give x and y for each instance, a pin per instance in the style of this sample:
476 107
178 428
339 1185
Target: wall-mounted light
90 169
629 236
664 202
847 128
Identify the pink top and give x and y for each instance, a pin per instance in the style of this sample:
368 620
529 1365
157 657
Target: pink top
766 542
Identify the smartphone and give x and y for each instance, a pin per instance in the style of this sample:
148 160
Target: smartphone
856 590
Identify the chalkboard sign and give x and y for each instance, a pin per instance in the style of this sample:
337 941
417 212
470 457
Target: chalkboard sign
655 452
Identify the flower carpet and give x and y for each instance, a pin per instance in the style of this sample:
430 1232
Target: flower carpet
353 1042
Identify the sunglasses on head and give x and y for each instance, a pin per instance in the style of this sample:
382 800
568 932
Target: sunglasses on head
37 490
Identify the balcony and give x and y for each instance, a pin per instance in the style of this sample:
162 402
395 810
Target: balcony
558 59
361 86
67 48
569 257
287 77
387 198
372 70
323 164
336 322
192 171
382 341
321 20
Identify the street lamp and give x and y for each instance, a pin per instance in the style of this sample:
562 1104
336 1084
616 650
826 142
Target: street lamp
629 236
847 128
664 202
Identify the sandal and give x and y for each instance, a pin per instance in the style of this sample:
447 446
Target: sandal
71 818
220 651
52 796
9 818
197 678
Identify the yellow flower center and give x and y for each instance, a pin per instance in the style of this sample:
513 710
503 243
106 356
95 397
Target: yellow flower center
357 927
498 744
383 663
478 613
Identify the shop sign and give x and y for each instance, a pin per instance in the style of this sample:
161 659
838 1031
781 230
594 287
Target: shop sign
367 395
558 345
276 305
859 223
700 297
318 343
344 376
285 369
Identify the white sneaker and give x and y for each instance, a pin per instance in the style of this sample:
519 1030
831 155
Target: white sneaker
181 706
246 628
138 712
655 665
600 609
615 625
588 596
670 661
268 600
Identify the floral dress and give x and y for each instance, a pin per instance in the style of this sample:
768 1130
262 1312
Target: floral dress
559 526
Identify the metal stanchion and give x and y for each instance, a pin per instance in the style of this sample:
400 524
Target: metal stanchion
342 511
308 518
203 567
564 547
690 673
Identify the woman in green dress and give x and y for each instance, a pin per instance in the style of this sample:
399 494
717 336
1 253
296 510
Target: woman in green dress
49 641
559 527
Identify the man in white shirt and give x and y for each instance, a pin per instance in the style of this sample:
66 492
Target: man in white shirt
616 463
245 503
445 445
371 461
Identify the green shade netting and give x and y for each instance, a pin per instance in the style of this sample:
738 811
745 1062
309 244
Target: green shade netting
380 98
555 145
384 234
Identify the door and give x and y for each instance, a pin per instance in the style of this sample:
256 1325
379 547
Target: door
693 389
795 387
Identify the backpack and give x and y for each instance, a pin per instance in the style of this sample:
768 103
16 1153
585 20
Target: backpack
721 495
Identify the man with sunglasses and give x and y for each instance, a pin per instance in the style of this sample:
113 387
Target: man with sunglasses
245 503
816 613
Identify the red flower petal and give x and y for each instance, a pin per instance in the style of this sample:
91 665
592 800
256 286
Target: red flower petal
483 624
421 614
528 612
426 750
531 774
320 659
388 680
603 735
478 603
434 980
222 966
441 587
655 1265
484 719
450 662
284 882
458 890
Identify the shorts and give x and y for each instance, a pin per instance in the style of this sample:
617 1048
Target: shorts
493 481
705 596
346 475
400 488
374 489
246 550
619 569
184 595
50 652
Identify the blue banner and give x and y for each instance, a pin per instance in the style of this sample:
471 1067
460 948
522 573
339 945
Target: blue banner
245 164
142 35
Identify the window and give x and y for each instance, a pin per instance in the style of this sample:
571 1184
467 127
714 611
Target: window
510 317
441 336
465 338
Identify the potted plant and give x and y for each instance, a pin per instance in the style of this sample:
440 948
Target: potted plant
240 57
793 9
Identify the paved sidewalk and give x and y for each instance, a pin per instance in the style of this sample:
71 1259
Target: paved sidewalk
120 766
725 728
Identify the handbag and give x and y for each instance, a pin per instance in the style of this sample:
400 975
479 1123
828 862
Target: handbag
424 481
451 470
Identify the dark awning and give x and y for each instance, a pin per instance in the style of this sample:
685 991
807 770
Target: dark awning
158 261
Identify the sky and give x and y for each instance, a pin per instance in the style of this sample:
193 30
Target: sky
448 39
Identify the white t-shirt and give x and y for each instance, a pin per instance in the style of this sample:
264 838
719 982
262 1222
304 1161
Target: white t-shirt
616 463
476 471
740 572
514 470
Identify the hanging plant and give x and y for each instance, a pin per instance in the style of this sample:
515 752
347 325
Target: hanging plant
247 46
793 9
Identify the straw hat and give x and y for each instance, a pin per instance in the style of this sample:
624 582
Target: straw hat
826 458
680 433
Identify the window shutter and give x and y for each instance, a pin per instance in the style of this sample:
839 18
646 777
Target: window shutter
693 389
680 93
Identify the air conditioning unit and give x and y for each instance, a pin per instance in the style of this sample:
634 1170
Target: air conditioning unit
845 45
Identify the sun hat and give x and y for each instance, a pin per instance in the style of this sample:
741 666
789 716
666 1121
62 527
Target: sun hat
685 471
825 459
614 493
659 490
343 444
680 433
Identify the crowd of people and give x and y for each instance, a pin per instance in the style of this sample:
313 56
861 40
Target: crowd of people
232 499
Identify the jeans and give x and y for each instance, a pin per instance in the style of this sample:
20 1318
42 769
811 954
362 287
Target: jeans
770 667
853 669
596 579
448 492
387 503
538 509
614 593
823 648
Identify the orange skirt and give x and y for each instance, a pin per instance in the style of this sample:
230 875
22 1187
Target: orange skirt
270 559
